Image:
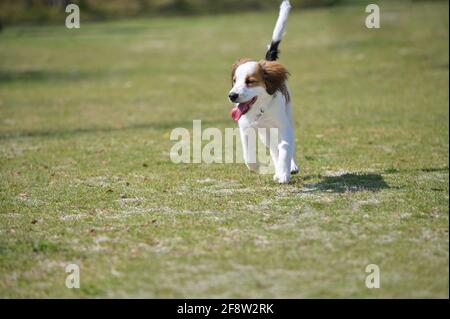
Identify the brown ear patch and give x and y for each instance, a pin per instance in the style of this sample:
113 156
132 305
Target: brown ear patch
235 66
275 74
256 78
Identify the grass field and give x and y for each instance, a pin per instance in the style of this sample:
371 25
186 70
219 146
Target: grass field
86 178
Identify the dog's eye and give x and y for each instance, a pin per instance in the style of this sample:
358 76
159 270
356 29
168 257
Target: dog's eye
248 82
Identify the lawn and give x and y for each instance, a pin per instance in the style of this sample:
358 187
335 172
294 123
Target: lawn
86 176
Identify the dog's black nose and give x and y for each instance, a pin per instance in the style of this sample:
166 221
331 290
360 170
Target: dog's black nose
233 97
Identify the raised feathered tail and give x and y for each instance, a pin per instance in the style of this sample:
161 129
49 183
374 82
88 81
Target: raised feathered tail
272 53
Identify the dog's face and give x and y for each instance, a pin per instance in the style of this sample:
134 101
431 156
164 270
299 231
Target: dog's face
252 81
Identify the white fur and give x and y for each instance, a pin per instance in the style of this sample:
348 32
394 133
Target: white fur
278 32
269 111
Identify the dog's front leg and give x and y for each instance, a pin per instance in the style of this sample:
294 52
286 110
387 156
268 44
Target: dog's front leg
270 140
285 154
248 140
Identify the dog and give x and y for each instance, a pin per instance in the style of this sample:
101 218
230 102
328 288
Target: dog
263 100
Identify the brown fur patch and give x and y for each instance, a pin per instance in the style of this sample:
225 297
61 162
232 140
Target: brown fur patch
236 65
256 78
285 92
275 75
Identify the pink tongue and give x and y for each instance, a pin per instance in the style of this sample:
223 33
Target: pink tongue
236 114
238 111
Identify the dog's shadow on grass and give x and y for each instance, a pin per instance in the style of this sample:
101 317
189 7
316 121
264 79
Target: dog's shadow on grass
345 183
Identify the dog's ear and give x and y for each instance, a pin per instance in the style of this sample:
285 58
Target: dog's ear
236 65
274 75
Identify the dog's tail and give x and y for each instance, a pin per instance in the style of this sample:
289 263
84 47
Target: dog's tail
272 53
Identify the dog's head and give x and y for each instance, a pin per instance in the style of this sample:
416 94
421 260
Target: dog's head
252 81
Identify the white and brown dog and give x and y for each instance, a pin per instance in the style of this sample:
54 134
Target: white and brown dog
263 100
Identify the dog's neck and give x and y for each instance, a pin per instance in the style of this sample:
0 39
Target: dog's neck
260 107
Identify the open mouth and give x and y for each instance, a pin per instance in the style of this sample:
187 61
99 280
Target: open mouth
242 108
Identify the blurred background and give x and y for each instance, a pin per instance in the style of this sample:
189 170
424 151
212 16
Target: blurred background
52 11
34 11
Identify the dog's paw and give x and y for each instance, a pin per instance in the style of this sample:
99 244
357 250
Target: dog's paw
282 178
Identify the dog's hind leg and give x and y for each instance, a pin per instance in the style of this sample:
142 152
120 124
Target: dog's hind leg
294 167
285 155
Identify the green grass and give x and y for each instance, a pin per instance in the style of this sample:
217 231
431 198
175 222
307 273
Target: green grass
85 174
